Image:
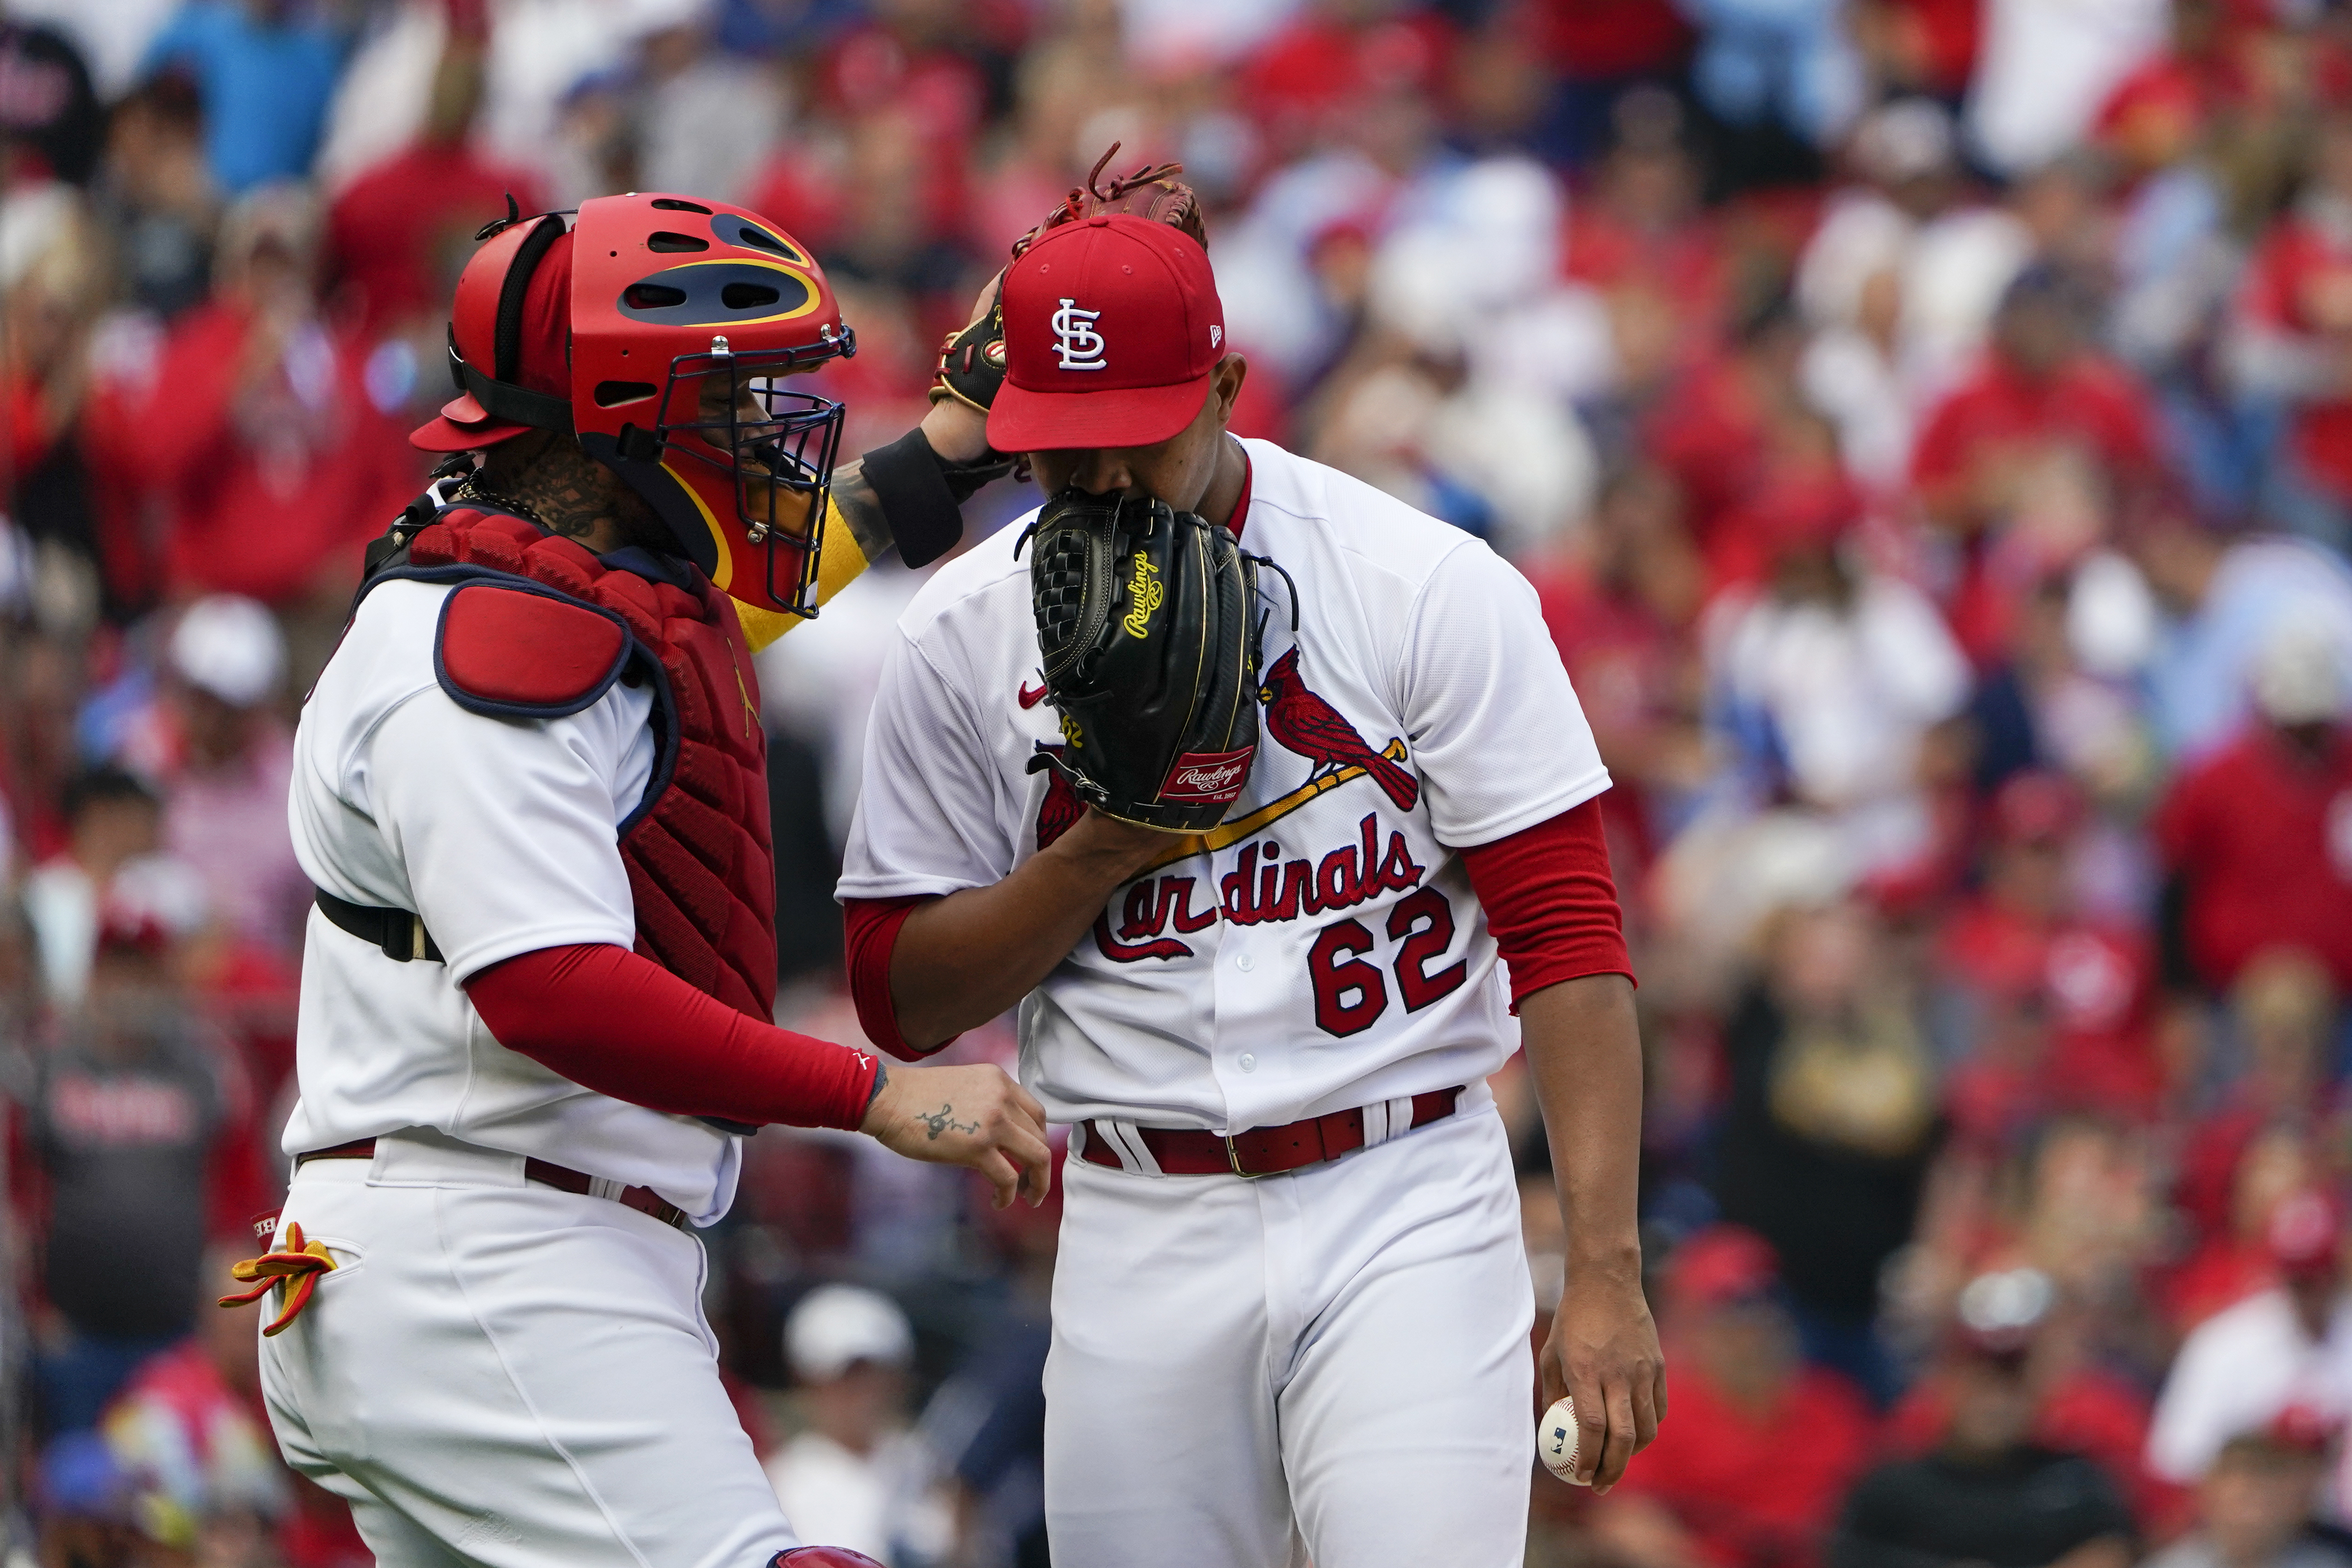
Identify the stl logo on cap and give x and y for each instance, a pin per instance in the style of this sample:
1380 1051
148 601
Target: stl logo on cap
1076 340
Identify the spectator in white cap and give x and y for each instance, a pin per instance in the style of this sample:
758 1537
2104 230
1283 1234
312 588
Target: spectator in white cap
226 809
856 1477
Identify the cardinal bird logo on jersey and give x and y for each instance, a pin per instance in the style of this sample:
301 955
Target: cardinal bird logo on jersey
1060 810
1311 727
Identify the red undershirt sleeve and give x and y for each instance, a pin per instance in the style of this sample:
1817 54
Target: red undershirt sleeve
618 1023
870 934
1551 903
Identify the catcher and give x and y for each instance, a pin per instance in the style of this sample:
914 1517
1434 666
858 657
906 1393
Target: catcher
1245 847
538 987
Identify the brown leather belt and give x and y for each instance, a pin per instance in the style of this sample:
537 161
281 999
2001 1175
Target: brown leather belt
644 1200
1261 1151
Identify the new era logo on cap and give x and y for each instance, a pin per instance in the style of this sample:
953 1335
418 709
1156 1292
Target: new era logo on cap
1111 330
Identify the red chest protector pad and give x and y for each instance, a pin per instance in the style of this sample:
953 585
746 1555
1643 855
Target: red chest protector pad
536 627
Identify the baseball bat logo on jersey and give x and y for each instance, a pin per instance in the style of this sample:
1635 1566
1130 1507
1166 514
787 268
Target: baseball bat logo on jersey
1076 341
1307 724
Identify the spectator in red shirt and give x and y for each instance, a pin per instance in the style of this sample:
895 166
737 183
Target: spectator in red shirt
912 96
399 233
1319 70
1599 48
51 297
1642 231
2258 1145
2291 339
2152 118
2092 982
261 440
2006 459
1734 425
2256 838
2261 1166
1624 620
1921 46
1730 1483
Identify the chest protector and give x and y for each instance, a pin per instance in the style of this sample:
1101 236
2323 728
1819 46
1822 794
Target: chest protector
537 627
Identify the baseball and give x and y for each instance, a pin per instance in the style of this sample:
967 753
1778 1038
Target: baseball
1556 1440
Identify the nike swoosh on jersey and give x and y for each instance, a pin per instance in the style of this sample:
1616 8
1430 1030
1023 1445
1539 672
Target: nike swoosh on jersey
1031 699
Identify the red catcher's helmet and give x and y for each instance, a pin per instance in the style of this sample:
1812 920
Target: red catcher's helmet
657 332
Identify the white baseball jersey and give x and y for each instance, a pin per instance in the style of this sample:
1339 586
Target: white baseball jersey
1322 949
503 833
496 1372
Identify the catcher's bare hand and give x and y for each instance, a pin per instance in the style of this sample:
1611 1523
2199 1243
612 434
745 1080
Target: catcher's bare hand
1604 1350
973 1116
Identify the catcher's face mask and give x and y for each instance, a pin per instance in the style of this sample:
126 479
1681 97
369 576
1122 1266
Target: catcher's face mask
737 465
682 320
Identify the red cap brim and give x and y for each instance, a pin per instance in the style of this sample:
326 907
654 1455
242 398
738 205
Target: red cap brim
1024 421
464 425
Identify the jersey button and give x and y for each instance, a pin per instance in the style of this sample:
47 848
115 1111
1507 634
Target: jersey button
1244 963
1248 1062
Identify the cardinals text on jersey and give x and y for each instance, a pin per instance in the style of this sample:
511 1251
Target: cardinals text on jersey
1321 948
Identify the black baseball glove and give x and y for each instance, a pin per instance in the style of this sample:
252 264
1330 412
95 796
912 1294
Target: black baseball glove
1149 624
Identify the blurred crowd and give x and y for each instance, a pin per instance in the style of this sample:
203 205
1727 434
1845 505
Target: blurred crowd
1928 424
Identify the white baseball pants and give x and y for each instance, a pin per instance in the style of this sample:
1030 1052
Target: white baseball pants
1333 1363
505 1374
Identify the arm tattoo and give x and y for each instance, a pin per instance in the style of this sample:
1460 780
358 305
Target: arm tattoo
862 509
943 1120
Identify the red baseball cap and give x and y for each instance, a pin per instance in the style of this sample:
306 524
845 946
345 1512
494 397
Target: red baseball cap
1722 1263
1111 328
2037 807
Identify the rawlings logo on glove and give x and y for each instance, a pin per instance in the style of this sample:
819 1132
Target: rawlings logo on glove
1218 778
